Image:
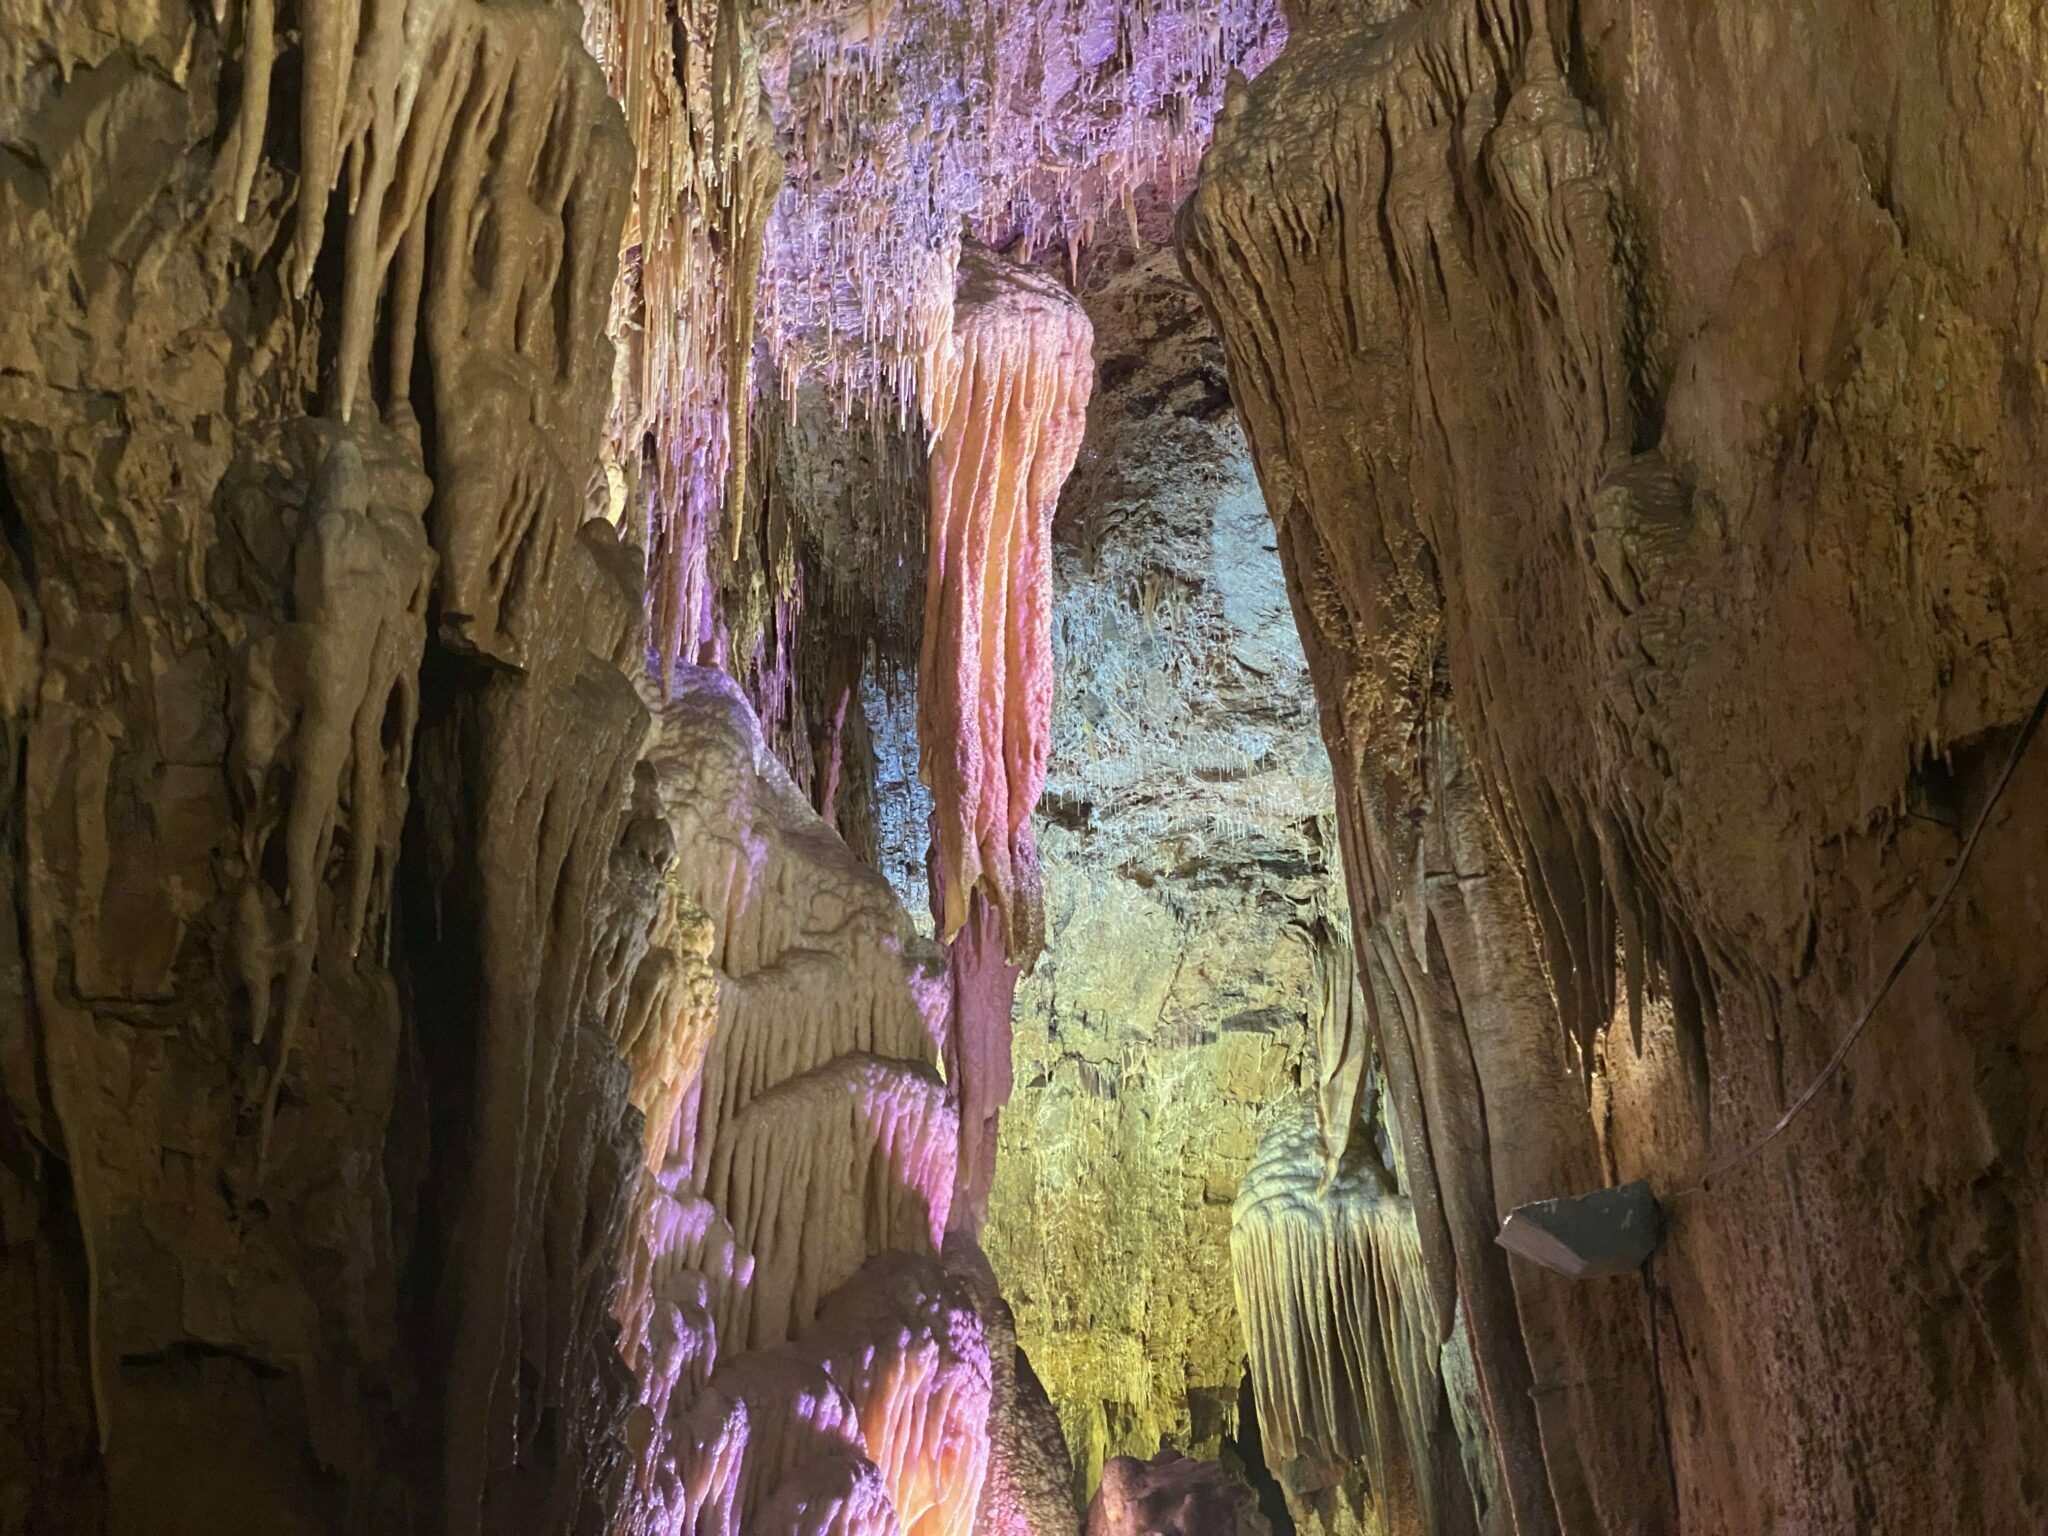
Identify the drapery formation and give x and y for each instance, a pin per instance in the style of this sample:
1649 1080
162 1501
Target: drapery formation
1006 398
1345 1362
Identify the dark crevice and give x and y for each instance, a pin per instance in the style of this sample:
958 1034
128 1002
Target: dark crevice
1248 1451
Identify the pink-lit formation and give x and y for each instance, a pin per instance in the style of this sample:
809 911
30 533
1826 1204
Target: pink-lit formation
1007 395
807 173
808 1345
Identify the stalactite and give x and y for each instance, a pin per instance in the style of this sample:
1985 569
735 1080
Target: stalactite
1068 119
1007 394
977 1050
1007 397
852 273
474 130
684 311
326 713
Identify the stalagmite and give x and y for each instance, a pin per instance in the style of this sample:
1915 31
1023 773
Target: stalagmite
1028 1489
977 1049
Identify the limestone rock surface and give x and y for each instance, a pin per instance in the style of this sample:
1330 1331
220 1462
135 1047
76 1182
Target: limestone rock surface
1647 401
1171 1495
303 1062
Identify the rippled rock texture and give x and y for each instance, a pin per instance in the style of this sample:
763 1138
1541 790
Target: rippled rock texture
1648 400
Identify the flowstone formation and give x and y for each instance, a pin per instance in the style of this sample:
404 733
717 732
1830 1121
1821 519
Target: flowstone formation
1194 908
1367 1418
816 1353
1659 505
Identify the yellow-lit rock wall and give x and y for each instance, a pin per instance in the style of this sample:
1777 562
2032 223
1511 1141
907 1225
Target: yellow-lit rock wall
1189 867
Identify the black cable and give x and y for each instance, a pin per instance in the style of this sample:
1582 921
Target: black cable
1657 1378
1955 876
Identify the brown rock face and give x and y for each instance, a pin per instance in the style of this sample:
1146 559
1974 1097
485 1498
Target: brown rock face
1647 403
317 745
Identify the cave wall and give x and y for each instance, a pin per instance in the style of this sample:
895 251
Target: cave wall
1192 894
451 1080
1647 400
297 598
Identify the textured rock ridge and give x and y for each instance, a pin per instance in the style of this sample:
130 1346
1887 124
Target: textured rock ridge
1658 503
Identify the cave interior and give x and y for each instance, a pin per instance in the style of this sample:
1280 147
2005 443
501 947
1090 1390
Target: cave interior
1023 767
